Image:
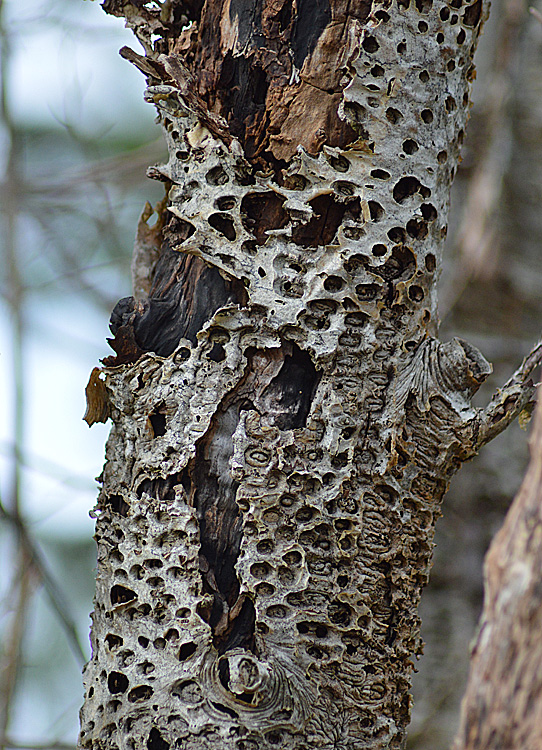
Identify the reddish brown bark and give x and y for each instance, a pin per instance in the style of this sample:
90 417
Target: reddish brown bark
502 707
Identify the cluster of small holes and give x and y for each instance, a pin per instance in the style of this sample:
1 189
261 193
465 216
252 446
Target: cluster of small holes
305 556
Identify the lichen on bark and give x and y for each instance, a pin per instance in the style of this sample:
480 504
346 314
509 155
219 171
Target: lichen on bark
285 421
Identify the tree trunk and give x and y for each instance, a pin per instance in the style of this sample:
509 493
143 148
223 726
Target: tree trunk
502 706
285 421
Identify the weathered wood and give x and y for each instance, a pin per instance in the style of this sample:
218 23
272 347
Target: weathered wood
502 707
283 437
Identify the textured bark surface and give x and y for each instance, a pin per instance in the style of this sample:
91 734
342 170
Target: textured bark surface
285 421
502 706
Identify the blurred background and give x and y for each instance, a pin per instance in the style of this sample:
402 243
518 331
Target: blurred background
75 140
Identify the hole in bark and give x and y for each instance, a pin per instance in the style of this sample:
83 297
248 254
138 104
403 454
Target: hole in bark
427 116
225 203
292 558
223 224
217 353
429 212
117 504
187 650
422 27
339 163
401 48
304 515
376 211
260 570
461 36
442 157
333 284
290 393
225 710
430 262
140 693
121 594
265 589
410 146
370 44
406 187
393 115
339 613
158 422
379 250
424 6
367 292
343 187
295 182
117 682
377 71
471 16
417 229
156 741
113 641
401 263
380 174
450 104
397 234
352 319
143 642
416 293
217 176
277 611
261 212
450 66
322 226
440 38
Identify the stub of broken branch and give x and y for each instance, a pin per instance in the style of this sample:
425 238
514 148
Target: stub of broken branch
516 396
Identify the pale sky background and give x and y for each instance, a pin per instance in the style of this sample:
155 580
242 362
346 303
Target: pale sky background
65 68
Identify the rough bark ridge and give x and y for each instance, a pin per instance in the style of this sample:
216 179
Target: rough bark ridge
285 422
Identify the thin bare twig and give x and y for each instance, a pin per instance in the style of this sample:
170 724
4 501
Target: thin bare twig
56 596
12 650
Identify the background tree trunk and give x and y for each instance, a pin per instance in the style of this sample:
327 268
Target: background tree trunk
501 707
497 305
285 422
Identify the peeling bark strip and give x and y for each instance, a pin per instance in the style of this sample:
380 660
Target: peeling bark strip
285 422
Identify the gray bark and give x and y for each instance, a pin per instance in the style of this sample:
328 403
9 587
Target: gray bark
285 421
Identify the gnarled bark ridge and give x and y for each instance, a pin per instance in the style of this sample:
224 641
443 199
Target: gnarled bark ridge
285 421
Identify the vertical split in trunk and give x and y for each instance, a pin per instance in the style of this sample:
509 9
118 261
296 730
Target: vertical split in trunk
284 421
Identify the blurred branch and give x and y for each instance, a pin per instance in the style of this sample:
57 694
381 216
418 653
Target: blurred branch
55 594
11 655
7 742
48 468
